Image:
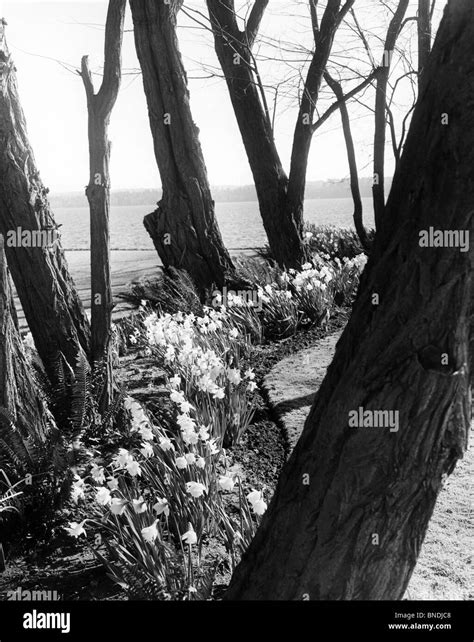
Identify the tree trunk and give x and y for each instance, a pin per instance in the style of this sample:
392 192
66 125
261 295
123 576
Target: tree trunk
353 503
99 108
284 233
47 292
183 228
424 39
378 188
281 199
351 157
19 400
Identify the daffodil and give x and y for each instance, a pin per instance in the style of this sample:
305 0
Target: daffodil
122 458
117 505
226 483
234 376
195 489
103 496
97 474
113 483
139 505
162 507
77 489
133 468
175 381
181 463
166 444
177 396
76 529
146 449
257 502
200 462
146 433
190 536
150 533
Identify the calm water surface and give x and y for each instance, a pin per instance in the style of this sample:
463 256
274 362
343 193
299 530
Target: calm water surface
240 223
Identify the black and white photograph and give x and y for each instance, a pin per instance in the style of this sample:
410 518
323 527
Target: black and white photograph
236 320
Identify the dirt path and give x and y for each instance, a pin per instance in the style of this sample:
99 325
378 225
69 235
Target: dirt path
444 568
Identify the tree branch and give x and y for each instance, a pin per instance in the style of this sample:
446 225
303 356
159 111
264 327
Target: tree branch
109 88
363 38
253 23
87 78
343 12
313 9
344 98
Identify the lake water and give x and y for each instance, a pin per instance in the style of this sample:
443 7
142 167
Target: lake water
240 223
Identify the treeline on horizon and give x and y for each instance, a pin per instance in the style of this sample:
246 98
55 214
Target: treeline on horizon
332 188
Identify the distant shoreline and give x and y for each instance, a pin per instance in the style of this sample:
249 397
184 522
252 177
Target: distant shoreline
337 188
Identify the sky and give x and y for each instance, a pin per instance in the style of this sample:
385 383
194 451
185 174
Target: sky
39 34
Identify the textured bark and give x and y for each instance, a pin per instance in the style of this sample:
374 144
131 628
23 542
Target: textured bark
281 198
183 228
378 189
316 540
46 290
99 109
18 391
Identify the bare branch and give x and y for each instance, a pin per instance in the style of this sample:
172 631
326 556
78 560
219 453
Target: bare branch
406 21
363 38
112 55
393 136
253 23
87 77
335 106
313 9
343 12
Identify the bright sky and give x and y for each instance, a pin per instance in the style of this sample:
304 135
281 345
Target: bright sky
39 33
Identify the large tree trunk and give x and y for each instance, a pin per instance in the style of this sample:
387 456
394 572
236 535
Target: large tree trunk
47 293
99 109
20 404
353 503
184 229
